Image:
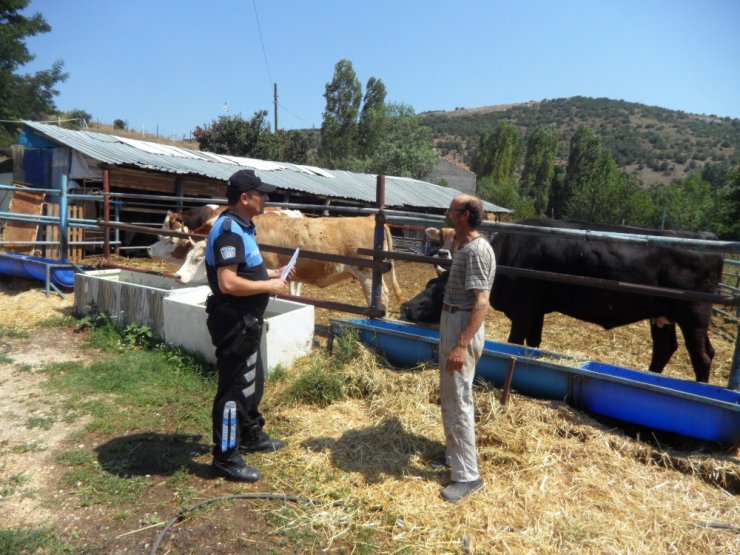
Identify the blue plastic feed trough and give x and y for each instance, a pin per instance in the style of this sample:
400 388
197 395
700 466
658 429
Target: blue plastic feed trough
61 273
659 402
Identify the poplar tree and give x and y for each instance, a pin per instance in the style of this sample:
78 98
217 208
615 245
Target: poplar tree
539 167
343 95
498 153
583 159
372 118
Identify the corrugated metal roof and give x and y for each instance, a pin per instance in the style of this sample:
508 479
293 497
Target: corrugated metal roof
400 192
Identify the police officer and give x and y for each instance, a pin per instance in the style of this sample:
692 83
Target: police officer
241 286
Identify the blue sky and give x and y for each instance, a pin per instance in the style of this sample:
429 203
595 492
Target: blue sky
170 65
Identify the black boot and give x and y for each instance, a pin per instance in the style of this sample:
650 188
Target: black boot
260 442
234 468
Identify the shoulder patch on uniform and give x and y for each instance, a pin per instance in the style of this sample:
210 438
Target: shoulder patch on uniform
227 252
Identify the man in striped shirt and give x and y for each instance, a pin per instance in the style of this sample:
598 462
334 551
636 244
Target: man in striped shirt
466 303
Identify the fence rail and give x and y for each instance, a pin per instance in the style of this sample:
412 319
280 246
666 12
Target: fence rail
378 261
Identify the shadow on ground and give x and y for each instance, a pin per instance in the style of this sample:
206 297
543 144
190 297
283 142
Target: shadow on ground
152 454
380 451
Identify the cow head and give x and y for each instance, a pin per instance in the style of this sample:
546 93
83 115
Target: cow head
193 269
174 249
169 248
441 242
172 222
426 307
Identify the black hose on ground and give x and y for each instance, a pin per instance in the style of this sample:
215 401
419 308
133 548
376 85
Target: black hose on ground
274 496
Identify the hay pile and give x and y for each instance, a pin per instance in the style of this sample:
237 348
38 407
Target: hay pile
556 480
23 303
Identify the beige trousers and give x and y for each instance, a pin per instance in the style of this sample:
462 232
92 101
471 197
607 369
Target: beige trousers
456 392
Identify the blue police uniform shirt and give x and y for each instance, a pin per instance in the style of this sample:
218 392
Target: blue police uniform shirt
233 240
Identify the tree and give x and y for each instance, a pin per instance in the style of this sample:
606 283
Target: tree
689 204
610 197
539 167
730 208
339 126
294 146
23 96
506 194
404 146
498 153
583 160
372 118
236 136
79 118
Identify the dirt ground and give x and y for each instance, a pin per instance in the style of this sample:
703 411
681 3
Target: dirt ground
30 450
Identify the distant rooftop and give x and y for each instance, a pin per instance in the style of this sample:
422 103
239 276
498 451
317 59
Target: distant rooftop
112 150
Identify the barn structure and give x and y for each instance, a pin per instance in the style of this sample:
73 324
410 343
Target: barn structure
88 159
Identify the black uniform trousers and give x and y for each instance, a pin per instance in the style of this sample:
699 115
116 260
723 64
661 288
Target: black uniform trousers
241 379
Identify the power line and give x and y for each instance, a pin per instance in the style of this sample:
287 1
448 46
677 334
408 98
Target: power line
262 42
294 114
267 65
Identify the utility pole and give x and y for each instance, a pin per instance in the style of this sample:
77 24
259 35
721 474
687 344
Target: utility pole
276 105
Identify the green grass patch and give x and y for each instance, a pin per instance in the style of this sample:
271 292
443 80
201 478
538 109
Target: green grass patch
159 389
31 540
277 374
319 384
346 347
43 422
324 379
58 322
76 457
152 401
9 485
12 332
28 447
97 486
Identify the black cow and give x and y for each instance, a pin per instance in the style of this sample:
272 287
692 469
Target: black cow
525 301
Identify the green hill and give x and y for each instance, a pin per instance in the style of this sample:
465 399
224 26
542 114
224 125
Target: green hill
654 144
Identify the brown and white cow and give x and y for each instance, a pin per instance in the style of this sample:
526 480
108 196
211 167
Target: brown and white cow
176 249
342 236
173 249
192 218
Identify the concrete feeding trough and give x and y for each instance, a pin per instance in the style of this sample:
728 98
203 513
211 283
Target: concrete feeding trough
128 297
288 329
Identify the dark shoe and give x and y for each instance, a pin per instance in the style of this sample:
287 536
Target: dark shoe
235 469
262 442
457 491
439 463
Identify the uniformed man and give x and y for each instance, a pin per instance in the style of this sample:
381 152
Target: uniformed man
241 286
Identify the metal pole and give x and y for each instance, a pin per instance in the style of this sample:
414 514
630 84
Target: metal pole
106 214
63 229
178 192
376 298
507 381
117 232
276 107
